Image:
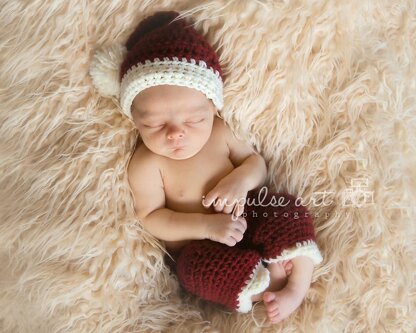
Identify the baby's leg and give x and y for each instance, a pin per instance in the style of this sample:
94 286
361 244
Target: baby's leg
280 304
280 233
224 275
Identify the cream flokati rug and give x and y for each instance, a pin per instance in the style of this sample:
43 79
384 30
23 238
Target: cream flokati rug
325 90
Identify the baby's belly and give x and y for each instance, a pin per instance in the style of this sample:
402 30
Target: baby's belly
186 200
185 188
186 192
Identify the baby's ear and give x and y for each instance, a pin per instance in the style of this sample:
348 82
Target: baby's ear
217 112
133 108
213 108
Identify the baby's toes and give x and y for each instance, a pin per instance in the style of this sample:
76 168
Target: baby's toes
276 318
272 306
273 315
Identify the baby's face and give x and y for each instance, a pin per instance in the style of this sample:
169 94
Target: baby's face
173 121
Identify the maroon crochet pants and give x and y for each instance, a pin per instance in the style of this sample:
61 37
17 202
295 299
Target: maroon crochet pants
278 229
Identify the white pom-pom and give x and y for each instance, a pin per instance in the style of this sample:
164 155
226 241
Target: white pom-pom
105 69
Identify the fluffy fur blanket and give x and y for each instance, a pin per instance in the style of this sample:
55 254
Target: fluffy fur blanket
325 91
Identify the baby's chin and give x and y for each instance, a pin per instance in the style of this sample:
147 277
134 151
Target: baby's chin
180 154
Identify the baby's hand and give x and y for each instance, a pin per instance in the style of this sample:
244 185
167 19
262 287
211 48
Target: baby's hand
223 228
228 196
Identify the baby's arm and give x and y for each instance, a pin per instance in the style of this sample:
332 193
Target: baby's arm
149 201
250 173
250 167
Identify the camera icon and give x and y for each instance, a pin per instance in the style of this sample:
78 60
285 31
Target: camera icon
357 195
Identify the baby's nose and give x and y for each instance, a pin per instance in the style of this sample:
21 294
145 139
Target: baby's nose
175 133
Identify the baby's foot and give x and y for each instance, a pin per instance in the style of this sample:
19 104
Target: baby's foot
279 273
280 304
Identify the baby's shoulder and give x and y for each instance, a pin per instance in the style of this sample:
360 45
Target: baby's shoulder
141 153
142 157
220 128
221 131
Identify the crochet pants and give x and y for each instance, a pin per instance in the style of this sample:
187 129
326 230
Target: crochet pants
278 229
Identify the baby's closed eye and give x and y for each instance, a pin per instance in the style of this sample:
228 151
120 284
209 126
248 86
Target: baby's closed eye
154 126
191 121
195 121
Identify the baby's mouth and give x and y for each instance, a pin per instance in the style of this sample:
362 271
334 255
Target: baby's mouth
177 147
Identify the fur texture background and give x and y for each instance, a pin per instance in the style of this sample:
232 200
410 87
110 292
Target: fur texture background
325 90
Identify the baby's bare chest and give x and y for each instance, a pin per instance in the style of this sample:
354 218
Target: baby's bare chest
187 181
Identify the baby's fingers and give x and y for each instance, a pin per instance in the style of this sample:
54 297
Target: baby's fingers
243 222
238 209
212 197
230 241
239 227
207 200
219 204
237 235
228 208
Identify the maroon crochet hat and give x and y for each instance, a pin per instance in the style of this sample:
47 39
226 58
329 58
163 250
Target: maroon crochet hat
163 49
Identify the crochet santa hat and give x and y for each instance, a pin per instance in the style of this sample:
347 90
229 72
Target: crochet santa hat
163 49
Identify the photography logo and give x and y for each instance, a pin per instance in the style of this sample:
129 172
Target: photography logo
358 195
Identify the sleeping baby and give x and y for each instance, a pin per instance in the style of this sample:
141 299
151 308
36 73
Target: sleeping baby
199 189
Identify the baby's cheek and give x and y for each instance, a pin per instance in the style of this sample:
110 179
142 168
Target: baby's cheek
149 140
151 135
